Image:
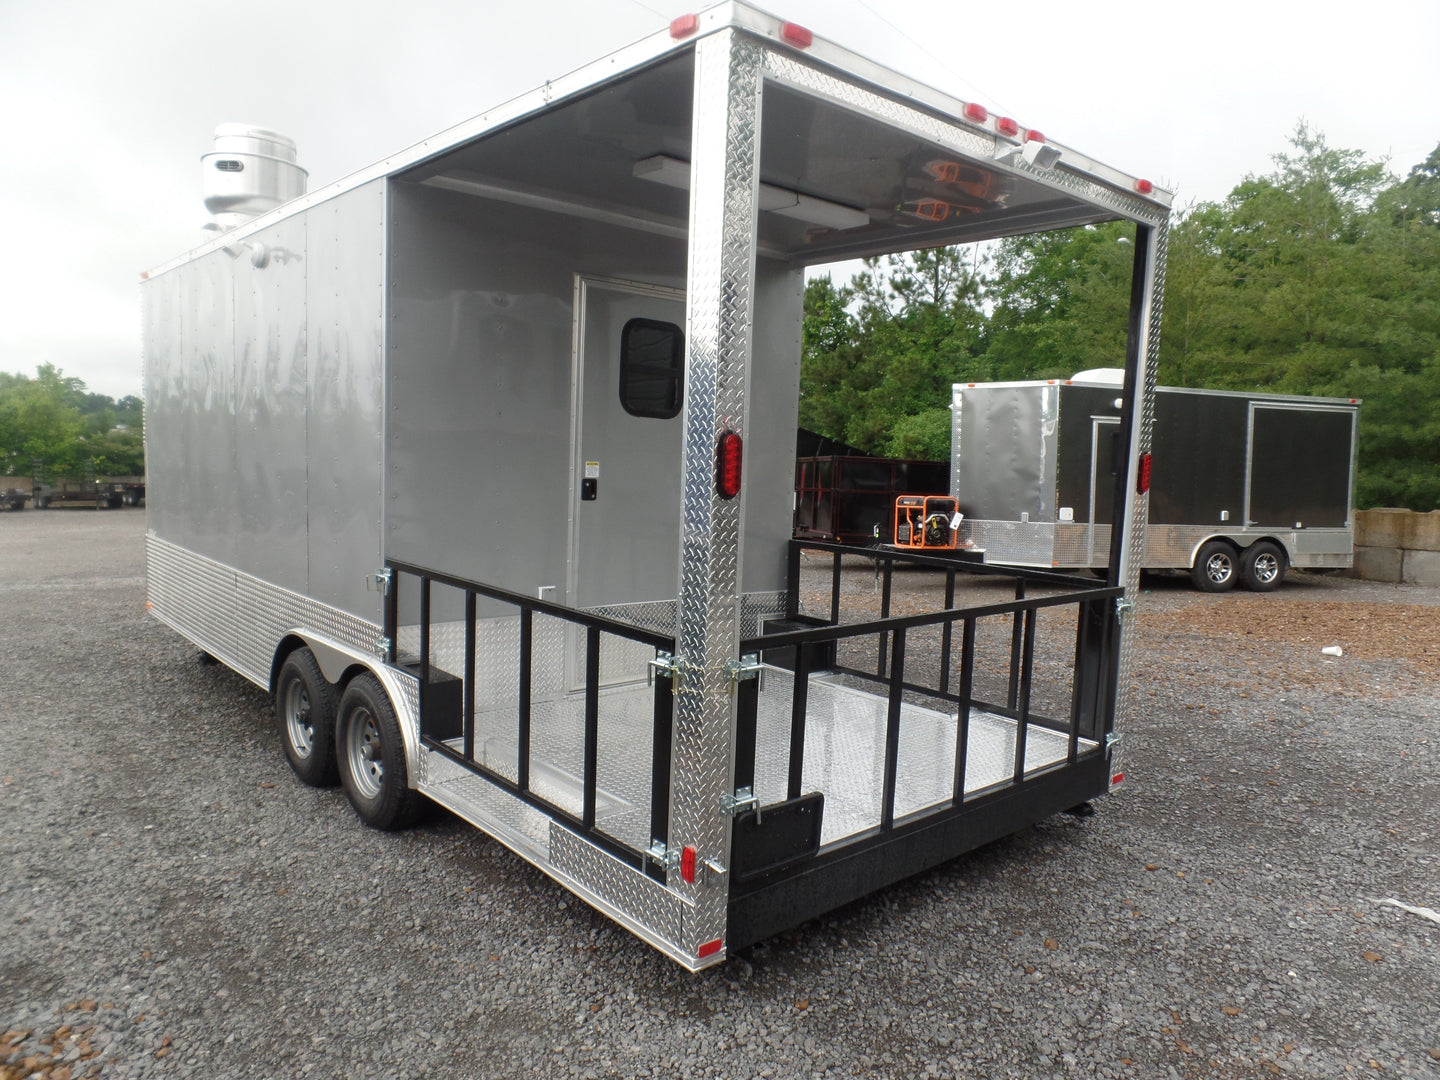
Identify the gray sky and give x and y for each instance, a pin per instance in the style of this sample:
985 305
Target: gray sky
108 107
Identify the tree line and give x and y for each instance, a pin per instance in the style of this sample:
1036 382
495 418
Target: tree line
52 418
1322 278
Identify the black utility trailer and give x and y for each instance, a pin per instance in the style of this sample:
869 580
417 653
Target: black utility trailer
850 498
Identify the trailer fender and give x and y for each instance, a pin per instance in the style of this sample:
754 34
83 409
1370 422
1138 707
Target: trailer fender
340 663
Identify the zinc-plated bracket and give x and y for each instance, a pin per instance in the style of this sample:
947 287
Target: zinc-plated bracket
380 581
382 647
744 799
1123 607
668 666
1111 739
747 667
663 856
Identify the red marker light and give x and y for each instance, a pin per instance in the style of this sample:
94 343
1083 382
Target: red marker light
728 456
1144 187
710 948
1006 126
794 34
1034 136
1142 483
683 26
976 112
687 865
1117 779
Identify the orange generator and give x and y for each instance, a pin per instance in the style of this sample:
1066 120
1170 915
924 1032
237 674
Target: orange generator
927 522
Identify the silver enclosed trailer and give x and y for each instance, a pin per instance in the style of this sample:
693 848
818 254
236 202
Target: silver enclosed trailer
1243 486
481 462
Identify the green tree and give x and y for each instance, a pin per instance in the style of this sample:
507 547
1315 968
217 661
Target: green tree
53 418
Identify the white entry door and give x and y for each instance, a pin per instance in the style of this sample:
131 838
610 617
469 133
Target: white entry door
626 446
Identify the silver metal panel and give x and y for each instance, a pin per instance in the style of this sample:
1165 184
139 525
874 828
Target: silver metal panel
345 274
1015 543
269 474
205 503
1003 463
164 400
724 177
478 386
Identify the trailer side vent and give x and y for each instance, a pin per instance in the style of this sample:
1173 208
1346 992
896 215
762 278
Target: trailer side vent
230 165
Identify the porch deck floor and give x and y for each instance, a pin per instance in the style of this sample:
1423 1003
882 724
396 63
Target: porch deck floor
844 753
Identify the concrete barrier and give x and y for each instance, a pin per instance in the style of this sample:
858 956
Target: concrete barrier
1397 545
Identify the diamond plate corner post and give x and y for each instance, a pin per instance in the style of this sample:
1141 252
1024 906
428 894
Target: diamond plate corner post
1141 436
720 290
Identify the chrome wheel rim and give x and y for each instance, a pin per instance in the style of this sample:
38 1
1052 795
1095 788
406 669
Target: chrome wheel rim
362 748
297 719
1219 568
1267 568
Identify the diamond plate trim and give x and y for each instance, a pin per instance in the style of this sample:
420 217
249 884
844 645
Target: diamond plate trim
1126 697
799 74
720 293
236 617
1015 543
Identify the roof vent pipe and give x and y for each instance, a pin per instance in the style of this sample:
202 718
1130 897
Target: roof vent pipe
250 171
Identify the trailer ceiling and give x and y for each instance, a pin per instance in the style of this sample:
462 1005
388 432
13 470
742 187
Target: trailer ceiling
620 153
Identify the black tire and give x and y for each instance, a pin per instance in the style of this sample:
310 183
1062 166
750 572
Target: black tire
371 755
1263 566
305 716
1217 567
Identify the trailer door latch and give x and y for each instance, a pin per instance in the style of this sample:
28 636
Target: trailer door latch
661 855
667 666
1123 607
747 667
744 799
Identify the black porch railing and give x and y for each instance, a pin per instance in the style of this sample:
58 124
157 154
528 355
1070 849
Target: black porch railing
1092 685
438 738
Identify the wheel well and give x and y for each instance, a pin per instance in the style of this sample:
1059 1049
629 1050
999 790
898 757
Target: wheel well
290 643
1284 551
1195 551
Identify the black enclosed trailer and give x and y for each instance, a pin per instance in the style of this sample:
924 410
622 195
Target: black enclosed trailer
1242 486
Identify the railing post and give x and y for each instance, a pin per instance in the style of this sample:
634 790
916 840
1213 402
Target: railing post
799 700
962 717
392 616
592 724
1012 697
1027 666
522 734
424 632
747 697
835 590
945 634
884 614
792 580
469 715
661 742
892 732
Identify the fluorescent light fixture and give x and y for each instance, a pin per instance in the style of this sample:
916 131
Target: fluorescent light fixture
675 173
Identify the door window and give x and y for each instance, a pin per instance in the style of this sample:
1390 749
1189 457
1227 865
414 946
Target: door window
652 368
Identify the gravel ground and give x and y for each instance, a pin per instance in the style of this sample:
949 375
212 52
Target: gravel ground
174 903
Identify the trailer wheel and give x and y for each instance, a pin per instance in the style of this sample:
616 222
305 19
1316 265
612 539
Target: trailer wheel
372 757
305 715
1216 567
1263 568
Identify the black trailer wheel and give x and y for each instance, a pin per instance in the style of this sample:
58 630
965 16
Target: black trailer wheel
1216 567
1263 567
305 714
372 757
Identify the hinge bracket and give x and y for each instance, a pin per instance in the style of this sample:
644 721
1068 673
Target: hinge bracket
661 855
382 647
744 799
1123 607
379 581
667 666
747 667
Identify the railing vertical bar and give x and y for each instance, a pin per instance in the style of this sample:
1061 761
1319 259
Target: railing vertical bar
962 724
798 705
660 749
392 616
892 732
527 668
469 714
946 632
424 633
1012 696
1081 687
1022 721
884 614
792 580
592 723
835 590
747 708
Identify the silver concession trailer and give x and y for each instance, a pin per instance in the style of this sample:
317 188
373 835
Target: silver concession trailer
1243 486
481 461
